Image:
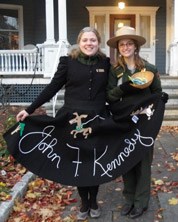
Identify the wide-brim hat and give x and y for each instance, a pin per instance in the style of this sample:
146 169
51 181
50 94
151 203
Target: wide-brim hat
125 32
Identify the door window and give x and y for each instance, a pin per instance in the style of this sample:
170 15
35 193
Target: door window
100 23
145 30
116 22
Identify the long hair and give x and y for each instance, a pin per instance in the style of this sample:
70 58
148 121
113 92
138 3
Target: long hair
139 62
75 49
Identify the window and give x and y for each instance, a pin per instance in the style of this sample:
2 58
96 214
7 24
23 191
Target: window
9 29
9 36
100 23
145 30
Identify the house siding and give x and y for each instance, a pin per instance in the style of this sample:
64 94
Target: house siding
39 21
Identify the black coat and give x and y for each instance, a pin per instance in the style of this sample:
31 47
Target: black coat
82 82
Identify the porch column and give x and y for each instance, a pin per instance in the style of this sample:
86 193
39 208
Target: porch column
62 20
175 21
49 22
174 45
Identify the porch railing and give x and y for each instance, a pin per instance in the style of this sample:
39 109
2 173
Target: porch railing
30 61
21 61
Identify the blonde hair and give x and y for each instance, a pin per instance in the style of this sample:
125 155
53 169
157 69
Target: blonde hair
139 62
75 49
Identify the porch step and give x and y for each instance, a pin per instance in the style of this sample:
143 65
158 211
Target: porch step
22 76
49 108
59 103
169 85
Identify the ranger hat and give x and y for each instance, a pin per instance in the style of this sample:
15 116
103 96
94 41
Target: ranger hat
125 32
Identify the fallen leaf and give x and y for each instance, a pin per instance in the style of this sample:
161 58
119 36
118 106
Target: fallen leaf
175 156
32 195
159 182
159 216
45 213
173 201
100 201
118 189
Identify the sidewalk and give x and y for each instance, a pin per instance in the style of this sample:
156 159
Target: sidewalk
164 168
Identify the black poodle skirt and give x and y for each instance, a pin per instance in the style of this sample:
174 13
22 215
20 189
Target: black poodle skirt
84 145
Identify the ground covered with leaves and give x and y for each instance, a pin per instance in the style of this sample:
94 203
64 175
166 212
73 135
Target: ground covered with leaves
10 171
44 200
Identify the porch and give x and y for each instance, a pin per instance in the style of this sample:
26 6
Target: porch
41 59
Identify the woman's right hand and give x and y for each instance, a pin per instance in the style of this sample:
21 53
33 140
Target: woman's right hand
21 115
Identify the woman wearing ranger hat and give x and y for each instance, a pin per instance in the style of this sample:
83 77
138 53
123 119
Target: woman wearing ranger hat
137 180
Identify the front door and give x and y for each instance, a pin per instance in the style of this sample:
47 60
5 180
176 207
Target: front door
116 22
107 19
148 49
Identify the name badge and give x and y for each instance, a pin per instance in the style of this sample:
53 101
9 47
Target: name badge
100 70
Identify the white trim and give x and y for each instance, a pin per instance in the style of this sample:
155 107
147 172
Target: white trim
175 21
169 30
49 7
172 38
26 80
19 8
169 22
62 20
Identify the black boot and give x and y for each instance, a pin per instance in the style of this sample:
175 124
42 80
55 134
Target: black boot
95 211
126 209
84 209
137 212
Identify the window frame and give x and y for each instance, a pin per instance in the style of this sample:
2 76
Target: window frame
19 9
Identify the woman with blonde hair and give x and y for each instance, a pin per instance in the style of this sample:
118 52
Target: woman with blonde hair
84 89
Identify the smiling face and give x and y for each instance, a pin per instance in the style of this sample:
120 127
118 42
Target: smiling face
127 48
89 43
